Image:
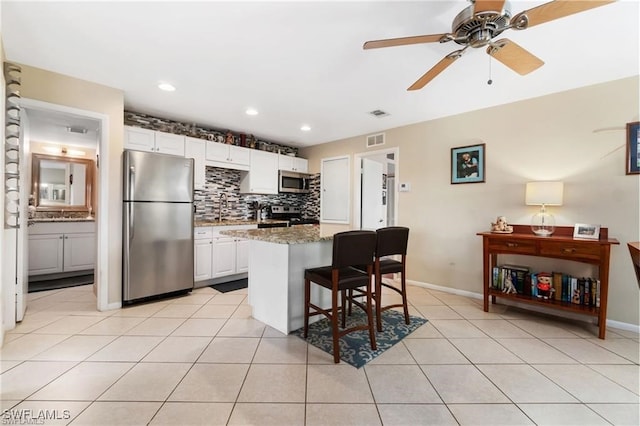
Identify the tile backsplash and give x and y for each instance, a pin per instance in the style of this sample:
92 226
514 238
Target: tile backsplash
241 206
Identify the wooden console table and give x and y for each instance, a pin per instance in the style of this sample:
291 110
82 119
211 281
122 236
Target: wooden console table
634 251
561 245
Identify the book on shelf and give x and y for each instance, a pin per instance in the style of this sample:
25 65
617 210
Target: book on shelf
568 289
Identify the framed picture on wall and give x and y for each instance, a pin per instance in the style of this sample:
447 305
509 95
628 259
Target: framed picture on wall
467 164
633 148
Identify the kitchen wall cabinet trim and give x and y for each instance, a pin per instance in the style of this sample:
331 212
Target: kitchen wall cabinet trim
561 245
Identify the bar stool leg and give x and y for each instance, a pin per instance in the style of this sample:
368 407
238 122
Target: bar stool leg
404 295
307 301
334 326
372 333
378 294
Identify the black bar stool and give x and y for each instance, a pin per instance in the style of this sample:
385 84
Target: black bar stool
350 248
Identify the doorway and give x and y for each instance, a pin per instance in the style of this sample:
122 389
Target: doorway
48 123
375 204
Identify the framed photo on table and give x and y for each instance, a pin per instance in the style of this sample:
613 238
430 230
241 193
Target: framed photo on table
586 231
467 164
633 148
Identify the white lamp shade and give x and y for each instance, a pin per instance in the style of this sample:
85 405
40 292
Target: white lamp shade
544 193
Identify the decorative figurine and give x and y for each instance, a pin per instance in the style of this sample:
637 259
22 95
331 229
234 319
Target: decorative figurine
545 289
229 139
251 142
508 285
501 226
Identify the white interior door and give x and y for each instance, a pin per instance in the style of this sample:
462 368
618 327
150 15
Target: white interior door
334 190
373 211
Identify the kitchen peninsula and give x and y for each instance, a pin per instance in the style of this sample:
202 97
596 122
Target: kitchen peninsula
278 258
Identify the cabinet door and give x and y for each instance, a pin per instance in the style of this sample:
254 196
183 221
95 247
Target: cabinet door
139 139
79 251
202 252
263 174
217 152
224 256
285 162
334 190
45 253
196 149
168 143
239 155
242 256
300 165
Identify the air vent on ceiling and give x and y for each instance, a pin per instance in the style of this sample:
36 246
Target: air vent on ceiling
379 113
375 140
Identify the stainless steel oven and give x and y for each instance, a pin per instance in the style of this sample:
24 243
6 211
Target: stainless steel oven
293 182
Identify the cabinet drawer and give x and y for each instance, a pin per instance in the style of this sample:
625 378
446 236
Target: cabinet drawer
571 250
202 233
506 245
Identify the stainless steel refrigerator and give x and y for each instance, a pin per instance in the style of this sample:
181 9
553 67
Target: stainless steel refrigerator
157 255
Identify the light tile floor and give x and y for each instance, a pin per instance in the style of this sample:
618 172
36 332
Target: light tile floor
202 360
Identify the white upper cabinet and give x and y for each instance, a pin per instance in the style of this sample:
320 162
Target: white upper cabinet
263 175
293 164
196 149
139 139
151 141
168 143
228 156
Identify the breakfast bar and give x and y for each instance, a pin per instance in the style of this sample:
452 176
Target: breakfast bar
278 258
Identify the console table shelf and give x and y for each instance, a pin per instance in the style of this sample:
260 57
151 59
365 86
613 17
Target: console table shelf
561 245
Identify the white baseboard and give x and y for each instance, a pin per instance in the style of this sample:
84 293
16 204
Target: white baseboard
610 323
112 306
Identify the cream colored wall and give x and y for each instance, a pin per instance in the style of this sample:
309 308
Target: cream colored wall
546 138
59 89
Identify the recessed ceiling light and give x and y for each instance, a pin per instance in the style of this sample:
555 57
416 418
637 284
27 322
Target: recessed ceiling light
305 128
251 111
166 87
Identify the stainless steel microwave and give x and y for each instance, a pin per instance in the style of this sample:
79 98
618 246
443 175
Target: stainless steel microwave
293 182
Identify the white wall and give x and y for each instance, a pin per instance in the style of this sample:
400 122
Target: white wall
546 138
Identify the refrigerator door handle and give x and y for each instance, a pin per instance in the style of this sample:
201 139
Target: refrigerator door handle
132 186
126 247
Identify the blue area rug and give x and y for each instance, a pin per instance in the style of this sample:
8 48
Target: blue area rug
355 347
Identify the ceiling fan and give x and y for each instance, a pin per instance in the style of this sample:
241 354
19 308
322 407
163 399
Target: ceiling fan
477 26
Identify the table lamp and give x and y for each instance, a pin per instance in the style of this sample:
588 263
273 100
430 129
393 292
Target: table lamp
543 194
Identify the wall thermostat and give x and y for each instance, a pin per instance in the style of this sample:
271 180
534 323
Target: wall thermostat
404 187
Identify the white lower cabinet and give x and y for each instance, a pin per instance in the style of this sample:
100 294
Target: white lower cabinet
61 247
218 255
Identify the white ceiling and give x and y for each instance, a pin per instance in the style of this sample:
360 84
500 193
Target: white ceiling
301 62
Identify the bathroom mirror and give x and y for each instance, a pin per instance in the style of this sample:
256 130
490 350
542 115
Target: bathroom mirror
62 183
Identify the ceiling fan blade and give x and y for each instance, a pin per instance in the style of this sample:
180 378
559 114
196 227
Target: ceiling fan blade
433 72
401 41
558 9
488 6
514 56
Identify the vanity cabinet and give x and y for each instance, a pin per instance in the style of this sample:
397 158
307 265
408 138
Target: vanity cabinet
140 139
293 164
61 247
263 175
227 156
218 256
196 149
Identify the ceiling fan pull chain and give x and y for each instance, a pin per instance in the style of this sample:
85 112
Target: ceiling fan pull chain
489 81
